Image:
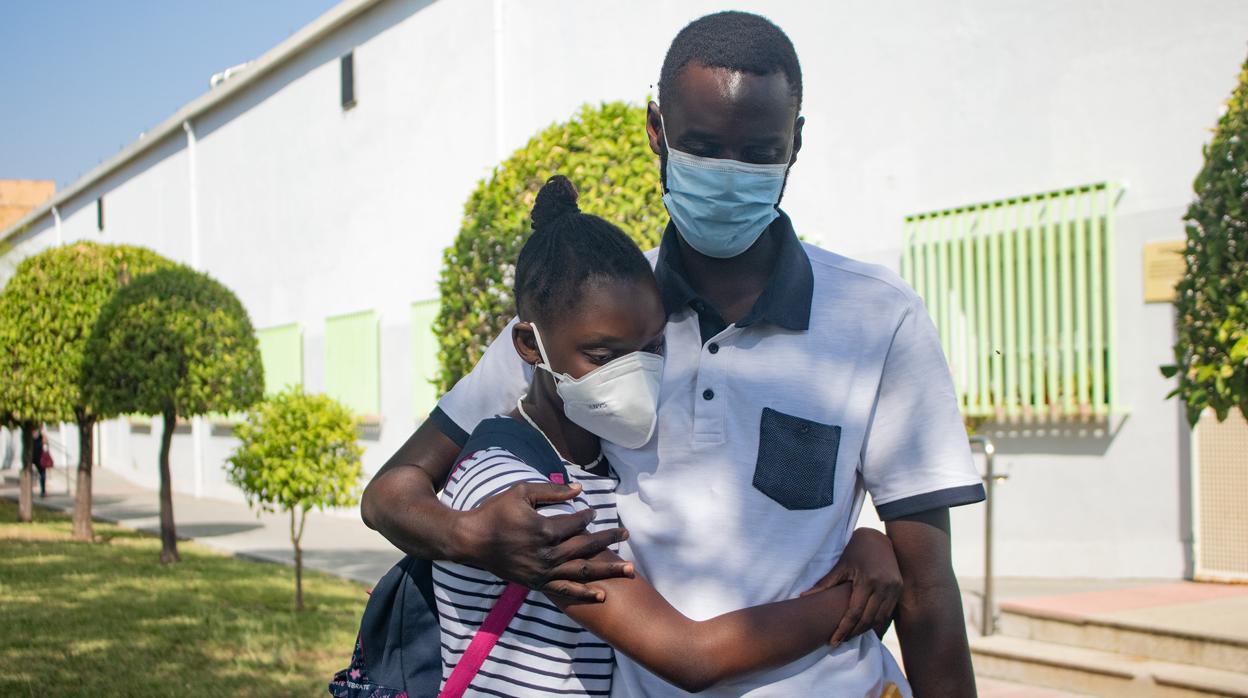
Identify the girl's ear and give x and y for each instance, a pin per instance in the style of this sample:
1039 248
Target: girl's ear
526 346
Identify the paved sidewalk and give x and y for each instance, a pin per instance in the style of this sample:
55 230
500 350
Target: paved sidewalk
341 546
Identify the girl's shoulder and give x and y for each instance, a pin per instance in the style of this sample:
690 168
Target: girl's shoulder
484 473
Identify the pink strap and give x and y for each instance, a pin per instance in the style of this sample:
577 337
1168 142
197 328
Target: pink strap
496 621
485 639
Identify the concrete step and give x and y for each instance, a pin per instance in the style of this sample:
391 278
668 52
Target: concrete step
1099 673
1152 640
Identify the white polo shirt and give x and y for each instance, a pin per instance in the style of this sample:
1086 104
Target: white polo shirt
770 431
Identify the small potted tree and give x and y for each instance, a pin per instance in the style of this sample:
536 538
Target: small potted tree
297 452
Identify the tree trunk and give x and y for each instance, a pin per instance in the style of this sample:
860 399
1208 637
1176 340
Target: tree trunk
168 534
83 529
296 536
26 495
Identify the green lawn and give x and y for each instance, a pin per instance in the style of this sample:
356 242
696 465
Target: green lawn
106 619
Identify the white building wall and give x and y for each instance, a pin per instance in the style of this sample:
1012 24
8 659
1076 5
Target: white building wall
309 211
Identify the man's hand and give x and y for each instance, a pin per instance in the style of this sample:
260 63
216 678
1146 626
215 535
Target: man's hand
869 565
504 535
508 537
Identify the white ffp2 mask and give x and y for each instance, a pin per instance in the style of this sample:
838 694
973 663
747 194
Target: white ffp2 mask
618 401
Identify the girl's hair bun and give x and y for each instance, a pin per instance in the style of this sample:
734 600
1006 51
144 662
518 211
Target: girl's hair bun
556 199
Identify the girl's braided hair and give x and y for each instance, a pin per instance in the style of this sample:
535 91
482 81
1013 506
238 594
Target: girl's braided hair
567 249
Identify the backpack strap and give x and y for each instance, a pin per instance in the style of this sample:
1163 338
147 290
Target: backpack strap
524 442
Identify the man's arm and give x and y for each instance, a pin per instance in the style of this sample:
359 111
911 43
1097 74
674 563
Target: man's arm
930 624
504 536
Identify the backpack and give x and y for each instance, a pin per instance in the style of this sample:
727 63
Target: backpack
398 652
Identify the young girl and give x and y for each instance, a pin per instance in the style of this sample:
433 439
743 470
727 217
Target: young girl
591 322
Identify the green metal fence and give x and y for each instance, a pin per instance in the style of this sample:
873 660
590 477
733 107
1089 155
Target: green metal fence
1022 292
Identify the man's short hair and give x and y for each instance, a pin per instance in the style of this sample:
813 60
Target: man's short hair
739 41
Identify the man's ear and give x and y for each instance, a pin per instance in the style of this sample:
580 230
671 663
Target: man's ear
526 345
797 138
654 127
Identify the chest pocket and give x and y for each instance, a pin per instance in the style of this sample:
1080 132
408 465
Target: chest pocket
796 464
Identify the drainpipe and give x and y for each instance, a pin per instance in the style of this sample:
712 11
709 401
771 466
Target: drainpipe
193 193
197 423
56 219
60 240
65 450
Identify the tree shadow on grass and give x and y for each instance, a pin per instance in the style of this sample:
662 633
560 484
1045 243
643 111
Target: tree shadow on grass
110 620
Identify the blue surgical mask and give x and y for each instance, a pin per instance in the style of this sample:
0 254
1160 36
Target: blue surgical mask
721 207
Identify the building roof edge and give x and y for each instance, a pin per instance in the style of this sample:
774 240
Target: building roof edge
279 55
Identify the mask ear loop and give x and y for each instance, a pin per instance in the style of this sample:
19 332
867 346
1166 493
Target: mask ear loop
541 351
667 152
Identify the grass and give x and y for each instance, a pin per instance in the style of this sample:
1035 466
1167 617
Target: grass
107 619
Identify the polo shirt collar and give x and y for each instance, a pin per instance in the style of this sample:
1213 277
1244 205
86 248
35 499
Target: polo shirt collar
785 300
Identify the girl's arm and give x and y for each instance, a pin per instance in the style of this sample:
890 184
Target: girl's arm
695 655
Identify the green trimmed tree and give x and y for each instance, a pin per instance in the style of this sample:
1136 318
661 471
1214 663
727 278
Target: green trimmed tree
297 452
178 344
604 151
1211 300
56 297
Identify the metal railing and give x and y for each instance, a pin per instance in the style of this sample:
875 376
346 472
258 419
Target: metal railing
988 615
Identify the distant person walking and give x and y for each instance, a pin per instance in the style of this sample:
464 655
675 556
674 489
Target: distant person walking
42 460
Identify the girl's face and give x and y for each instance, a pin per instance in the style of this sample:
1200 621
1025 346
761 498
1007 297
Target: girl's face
611 318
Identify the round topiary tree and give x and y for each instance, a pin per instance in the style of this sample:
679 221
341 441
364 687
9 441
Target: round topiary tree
604 151
1211 354
56 297
174 343
297 452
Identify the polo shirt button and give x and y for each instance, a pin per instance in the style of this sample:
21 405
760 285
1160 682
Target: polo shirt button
708 394
713 348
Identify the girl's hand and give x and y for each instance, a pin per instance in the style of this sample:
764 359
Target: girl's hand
869 565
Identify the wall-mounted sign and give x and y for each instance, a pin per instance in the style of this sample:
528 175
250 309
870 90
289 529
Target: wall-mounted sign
1163 267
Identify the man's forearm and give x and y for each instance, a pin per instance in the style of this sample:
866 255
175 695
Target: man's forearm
934 648
930 625
401 504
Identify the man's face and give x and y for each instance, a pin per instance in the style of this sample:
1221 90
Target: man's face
724 114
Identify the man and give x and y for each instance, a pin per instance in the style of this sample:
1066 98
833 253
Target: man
795 380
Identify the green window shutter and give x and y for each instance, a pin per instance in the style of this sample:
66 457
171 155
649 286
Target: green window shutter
281 352
1022 293
424 358
352 362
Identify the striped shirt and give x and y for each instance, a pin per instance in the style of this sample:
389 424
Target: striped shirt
543 652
